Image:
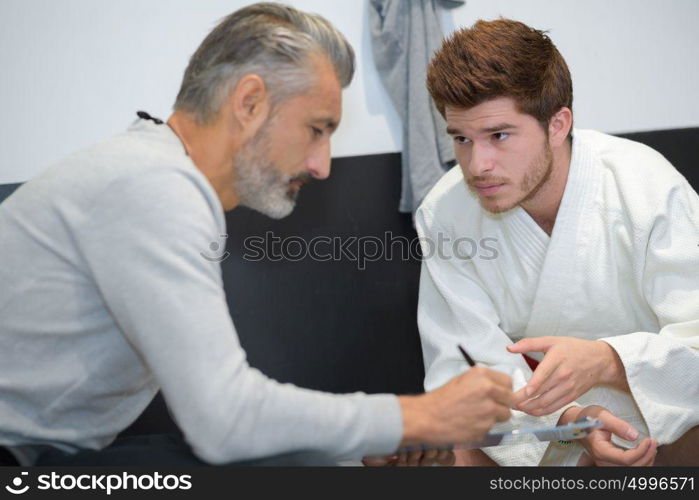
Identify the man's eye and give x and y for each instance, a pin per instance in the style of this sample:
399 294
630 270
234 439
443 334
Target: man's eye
461 139
501 136
316 132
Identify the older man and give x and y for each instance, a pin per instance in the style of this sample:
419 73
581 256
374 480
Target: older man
106 296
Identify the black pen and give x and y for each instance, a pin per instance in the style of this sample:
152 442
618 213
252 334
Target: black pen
468 359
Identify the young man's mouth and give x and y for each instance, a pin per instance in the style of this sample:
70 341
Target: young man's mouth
487 188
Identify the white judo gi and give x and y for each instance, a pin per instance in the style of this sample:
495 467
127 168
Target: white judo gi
621 265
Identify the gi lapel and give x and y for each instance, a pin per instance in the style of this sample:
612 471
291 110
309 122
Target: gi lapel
561 267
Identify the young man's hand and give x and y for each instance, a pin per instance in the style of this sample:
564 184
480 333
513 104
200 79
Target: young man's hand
598 444
570 368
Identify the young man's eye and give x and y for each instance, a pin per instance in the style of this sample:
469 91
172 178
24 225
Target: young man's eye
460 139
316 132
501 136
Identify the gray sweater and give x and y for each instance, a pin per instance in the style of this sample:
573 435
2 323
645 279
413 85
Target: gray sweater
105 298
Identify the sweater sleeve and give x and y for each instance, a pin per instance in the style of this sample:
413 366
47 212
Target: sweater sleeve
662 368
454 308
143 243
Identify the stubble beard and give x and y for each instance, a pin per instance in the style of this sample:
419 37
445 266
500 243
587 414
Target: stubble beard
538 174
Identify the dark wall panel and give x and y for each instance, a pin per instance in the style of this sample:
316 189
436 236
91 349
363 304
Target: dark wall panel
341 324
6 190
679 146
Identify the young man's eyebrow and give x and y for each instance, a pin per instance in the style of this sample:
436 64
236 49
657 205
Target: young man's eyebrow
487 130
498 128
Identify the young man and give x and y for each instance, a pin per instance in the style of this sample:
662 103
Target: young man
106 296
595 260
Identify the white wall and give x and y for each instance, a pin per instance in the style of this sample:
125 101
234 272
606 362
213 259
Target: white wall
75 71
634 63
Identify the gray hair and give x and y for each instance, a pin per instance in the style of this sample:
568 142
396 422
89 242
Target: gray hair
270 40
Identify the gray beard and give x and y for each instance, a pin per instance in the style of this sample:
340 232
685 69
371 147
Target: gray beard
259 185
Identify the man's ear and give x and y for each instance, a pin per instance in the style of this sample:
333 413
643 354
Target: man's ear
249 103
559 126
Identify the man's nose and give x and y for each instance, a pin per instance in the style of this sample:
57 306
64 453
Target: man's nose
318 161
481 161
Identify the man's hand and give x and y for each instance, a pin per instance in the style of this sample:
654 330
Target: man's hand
570 368
598 444
460 411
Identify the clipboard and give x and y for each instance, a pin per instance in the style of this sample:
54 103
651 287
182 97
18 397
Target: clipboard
570 432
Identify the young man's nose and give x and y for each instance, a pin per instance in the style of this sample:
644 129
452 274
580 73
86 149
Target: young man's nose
481 161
